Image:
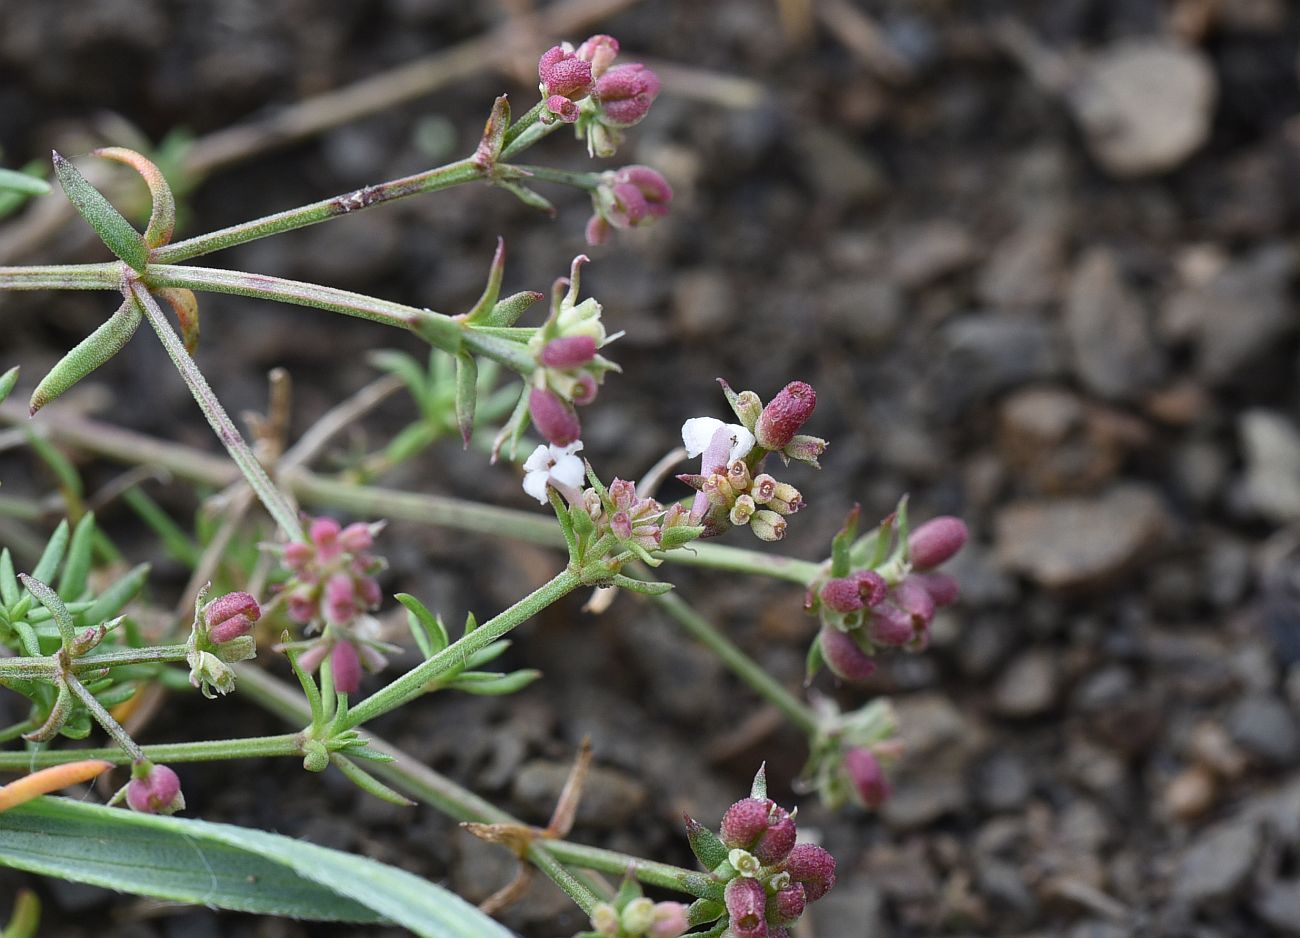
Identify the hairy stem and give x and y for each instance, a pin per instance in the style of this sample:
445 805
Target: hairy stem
289 744
62 277
104 718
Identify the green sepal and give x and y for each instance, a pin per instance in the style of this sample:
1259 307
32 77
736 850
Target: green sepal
813 662
489 684
482 309
706 846
13 181
7 382
91 352
507 312
628 890
701 886
471 623
527 196
466 395
703 911
114 230
842 543
426 628
76 569
759 788
367 782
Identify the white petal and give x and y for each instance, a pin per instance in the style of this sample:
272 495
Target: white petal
742 441
574 447
539 461
535 484
568 470
698 431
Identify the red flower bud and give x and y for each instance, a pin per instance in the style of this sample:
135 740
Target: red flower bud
867 776
890 626
744 822
745 902
325 535
871 586
158 791
230 616
340 599
625 93
841 595
600 51
787 905
942 587
562 73
784 415
777 840
936 541
356 537
297 555
345 664
812 866
554 419
844 656
568 351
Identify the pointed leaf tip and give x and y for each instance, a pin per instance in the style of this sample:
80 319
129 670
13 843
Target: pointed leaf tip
114 230
88 354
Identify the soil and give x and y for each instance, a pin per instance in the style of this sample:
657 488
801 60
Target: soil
1072 323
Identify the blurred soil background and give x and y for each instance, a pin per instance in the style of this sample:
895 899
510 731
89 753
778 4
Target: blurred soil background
1039 260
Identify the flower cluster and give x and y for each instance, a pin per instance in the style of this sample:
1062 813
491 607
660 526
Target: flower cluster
627 198
637 523
333 589
218 637
731 491
583 87
632 915
568 370
768 878
891 607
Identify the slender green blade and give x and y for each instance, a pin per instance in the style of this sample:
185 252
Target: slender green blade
227 867
114 230
22 183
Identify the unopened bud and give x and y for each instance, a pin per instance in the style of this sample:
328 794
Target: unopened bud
890 626
154 789
625 93
553 417
324 535
738 475
936 541
345 664
942 587
785 499
316 758
744 822
812 866
787 905
670 920
604 920
359 536
777 840
600 50
638 915
564 74
745 901
784 415
844 656
871 586
767 525
805 448
718 490
742 511
230 616
569 351
867 776
841 595
584 390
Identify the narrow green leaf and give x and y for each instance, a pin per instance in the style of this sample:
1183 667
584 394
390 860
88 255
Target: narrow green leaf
487 653
114 230
48 598
76 569
26 916
842 543
14 181
177 542
367 782
227 867
10 591
412 375
89 354
60 465
490 684
7 382
426 628
466 394
52 556
527 196
483 308
114 599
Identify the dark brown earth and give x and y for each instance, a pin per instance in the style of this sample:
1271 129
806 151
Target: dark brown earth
1031 288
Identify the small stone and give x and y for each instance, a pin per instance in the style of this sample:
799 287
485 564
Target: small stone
609 799
1113 351
922 798
855 906
1278 904
984 354
1026 269
1215 867
1145 106
932 251
1029 685
1076 543
1271 447
1265 727
1002 783
1190 794
867 311
1211 745
701 302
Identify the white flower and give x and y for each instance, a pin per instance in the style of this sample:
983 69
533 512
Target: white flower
698 433
556 466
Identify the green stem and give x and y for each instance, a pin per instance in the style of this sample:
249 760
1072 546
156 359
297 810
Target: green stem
743 666
526 120
253 747
411 684
157 654
271 497
443 177
62 277
104 718
28 669
650 872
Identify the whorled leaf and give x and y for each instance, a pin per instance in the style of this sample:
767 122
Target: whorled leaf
114 230
88 354
162 215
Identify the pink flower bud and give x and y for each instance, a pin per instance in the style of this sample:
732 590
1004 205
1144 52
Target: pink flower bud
936 541
650 184
325 535
340 599
345 664
787 905
568 351
841 595
297 555
158 791
784 415
812 866
554 419
867 776
625 93
777 840
744 822
302 603
230 616
942 587
369 591
890 626
915 600
563 74
357 537
871 586
600 51
844 657
584 390
598 230
560 108
745 902
670 921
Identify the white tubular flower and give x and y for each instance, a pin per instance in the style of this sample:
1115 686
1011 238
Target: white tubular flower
556 466
698 433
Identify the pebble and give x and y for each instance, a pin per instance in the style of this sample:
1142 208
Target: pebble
985 353
1026 269
609 799
1216 865
1113 351
1078 543
702 301
1190 794
1002 782
1145 106
931 251
1270 445
1029 685
1265 727
1278 904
